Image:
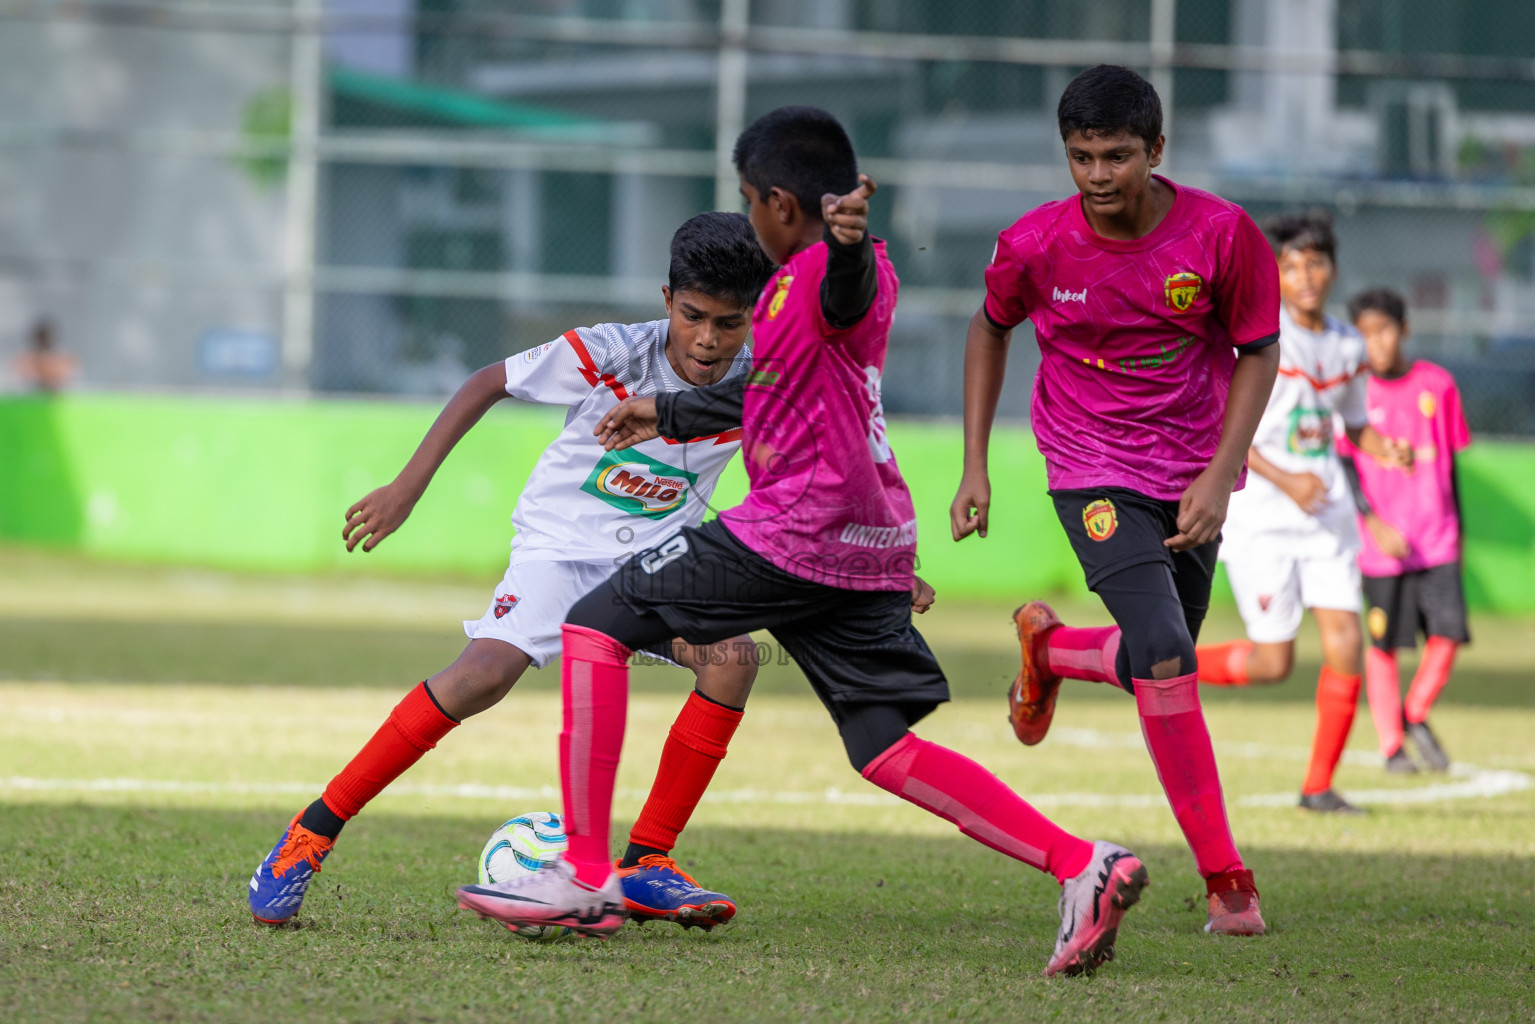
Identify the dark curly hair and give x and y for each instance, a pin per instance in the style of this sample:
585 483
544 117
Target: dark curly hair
1109 99
803 150
718 254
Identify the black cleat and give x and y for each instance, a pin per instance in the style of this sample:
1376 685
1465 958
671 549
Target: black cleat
1427 743
1328 801
1400 764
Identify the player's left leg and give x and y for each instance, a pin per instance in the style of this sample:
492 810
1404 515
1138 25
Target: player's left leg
655 888
1337 700
1389 630
1442 607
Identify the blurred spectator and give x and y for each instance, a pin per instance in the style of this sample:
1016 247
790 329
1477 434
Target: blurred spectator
42 366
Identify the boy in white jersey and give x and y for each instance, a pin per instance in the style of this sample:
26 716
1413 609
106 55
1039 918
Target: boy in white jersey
584 511
1290 540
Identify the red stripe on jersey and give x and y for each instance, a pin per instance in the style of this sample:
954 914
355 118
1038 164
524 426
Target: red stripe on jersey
1322 385
723 437
589 368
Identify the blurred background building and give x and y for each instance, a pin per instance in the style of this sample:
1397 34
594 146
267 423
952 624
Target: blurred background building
379 196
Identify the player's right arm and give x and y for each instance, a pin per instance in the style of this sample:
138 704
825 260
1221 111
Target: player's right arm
382 511
986 347
1305 489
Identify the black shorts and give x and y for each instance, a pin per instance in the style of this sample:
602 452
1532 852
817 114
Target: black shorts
855 646
1431 600
1113 528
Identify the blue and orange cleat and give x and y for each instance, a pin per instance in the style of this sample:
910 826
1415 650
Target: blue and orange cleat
656 889
278 886
1031 698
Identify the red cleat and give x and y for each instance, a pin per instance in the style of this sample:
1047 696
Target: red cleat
1031 701
1233 904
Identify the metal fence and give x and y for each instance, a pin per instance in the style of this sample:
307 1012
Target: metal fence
380 195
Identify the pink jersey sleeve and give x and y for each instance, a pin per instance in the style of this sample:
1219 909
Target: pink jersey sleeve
1004 292
1247 290
1455 418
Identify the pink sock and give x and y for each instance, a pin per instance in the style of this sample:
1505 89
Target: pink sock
1084 653
1433 672
594 678
1179 742
1383 686
960 791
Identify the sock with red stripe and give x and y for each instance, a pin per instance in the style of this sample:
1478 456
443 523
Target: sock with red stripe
694 748
965 794
1179 741
1224 664
1337 695
415 726
594 679
1383 688
1433 672
1091 654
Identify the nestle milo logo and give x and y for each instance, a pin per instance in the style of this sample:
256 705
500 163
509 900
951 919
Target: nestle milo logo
1310 432
638 485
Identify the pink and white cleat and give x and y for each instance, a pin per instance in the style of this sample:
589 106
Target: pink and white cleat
1234 904
1091 906
550 897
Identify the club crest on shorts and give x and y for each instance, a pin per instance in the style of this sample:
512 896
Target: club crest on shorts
1427 404
1100 519
1182 289
780 296
1376 621
505 603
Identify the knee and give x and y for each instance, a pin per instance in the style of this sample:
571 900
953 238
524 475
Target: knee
730 683
1160 653
1271 663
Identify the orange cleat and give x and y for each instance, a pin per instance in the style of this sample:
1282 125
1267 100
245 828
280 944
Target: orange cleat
1233 904
1031 701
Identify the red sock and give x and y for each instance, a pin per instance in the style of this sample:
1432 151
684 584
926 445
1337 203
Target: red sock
1224 664
694 748
594 678
1383 687
1433 672
412 728
1179 742
1084 653
1337 695
960 791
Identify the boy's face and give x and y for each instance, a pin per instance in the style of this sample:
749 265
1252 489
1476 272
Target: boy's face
775 218
1383 338
706 333
1111 171
1305 278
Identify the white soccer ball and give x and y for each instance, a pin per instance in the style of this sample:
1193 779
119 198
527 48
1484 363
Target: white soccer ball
521 846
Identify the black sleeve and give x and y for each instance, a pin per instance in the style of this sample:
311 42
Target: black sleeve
848 289
1355 485
684 415
1258 343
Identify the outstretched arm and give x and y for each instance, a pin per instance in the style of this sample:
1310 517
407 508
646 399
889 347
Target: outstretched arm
682 415
850 284
986 347
382 511
1202 508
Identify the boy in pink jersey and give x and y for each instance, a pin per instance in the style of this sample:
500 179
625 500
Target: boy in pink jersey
1156 308
1410 556
820 553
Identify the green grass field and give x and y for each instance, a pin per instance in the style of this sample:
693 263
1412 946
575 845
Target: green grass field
159 728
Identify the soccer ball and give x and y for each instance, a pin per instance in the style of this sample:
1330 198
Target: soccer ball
522 846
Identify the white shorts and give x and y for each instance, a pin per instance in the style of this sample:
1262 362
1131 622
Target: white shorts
1273 587
533 599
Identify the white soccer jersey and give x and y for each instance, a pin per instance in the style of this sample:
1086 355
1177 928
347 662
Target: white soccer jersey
1322 378
583 503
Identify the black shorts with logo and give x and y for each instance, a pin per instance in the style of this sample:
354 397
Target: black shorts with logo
1113 528
855 646
1431 600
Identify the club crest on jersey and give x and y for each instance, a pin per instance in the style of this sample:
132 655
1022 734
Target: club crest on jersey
1182 289
638 485
1427 404
505 603
780 296
1100 519
1310 432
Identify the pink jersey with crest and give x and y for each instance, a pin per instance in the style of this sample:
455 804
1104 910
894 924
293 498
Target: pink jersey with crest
1136 337
827 502
1421 407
